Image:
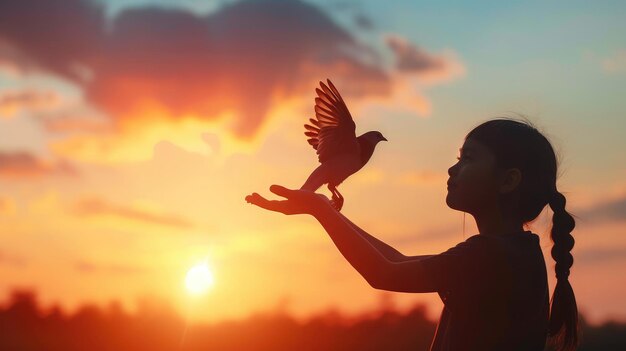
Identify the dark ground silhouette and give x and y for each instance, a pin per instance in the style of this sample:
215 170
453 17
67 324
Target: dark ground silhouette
24 325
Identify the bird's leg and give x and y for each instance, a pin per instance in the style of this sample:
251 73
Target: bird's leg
337 200
340 200
332 190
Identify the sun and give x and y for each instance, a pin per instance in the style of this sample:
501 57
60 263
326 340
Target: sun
199 279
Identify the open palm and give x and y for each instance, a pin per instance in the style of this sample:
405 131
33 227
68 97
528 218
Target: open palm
297 201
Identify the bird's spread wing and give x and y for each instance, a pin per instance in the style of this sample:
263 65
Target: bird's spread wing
332 131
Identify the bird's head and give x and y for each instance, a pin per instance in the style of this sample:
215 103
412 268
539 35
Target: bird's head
374 137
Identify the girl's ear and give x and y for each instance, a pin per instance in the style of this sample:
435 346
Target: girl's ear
510 180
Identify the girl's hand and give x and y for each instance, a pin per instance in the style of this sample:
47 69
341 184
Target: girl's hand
298 201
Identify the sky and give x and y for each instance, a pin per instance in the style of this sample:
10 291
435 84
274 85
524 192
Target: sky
131 132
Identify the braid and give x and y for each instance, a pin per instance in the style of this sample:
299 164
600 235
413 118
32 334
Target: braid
563 327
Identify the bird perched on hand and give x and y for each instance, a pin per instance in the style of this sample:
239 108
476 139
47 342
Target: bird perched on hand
332 134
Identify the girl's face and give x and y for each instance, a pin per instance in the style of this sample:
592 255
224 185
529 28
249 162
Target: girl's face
473 185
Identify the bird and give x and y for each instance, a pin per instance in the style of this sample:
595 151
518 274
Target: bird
332 133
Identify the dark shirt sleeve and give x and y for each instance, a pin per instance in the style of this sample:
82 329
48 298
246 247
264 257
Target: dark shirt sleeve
458 268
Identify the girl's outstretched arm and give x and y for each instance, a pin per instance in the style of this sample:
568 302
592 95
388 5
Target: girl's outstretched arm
388 251
359 252
418 274
378 271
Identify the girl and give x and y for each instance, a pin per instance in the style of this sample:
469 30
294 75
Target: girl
494 284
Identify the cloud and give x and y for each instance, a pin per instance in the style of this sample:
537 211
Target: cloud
616 63
11 102
413 59
363 22
610 210
427 234
90 267
601 254
12 259
60 33
235 59
415 70
8 67
7 206
13 62
94 206
370 176
230 68
421 177
74 123
23 164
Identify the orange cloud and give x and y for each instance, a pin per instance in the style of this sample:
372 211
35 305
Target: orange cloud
90 267
421 177
93 206
7 206
12 259
370 175
23 164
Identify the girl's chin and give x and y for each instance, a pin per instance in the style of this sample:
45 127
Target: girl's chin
452 202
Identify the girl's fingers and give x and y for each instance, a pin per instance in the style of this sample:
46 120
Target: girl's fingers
258 200
254 198
251 197
272 205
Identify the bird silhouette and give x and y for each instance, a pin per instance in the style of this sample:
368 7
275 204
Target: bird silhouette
332 133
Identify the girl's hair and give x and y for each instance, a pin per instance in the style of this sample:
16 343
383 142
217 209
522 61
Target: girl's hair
518 144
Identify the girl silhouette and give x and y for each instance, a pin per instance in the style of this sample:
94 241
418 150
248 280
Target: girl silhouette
494 284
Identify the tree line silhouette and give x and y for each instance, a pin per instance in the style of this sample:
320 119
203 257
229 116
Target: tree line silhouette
25 325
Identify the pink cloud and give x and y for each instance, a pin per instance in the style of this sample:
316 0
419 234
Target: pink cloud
410 58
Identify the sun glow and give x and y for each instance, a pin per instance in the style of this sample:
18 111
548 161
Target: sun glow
199 279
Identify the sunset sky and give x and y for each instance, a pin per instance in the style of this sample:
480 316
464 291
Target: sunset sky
131 132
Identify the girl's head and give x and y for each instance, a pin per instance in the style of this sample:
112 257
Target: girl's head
504 163
507 164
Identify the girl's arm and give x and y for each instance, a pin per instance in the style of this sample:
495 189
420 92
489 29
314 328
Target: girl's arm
354 247
386 250
414 275
408 274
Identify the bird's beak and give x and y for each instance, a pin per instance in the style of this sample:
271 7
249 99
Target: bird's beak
385 139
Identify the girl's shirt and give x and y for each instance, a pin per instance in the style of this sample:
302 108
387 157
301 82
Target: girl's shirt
495 294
